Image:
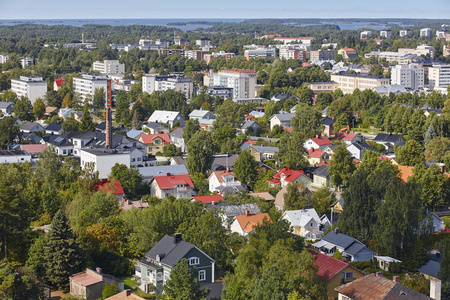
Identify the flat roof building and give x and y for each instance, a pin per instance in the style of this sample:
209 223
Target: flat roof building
348 82
109 67
155 82
88 83
241 80
29 86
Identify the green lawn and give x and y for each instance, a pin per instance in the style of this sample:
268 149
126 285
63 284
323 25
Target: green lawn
128 282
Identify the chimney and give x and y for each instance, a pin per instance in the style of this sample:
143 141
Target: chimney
435 289
177 238
442 169
98 270
128 293
396 278
108 128
379 274
213 202
336 230
247 213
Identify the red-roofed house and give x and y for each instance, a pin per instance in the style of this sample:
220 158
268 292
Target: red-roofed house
208 199
34 149
316 156
224 182
111 187
348 137
245 224
155 142
179 186
334 271
58 83
89 284
318 142
287 175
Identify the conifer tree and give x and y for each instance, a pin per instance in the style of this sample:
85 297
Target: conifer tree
62 254
429 135
86 121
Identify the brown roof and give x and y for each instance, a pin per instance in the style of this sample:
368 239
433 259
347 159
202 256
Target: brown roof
125 295
373 287
405 172
263 195
85 279
250 221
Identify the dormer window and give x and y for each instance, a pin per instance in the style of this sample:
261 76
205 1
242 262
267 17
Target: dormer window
194 261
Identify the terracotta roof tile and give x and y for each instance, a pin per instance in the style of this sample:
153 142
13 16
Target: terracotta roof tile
208 198
321 141
170 181
108 186
250 221
328 266
148 138
405 172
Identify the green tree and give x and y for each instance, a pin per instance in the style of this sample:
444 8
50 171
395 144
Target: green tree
429 135
434 186
271 285
19 283
410 154
36 256
62 254
171 150
291 152
246 169
183 283
201 148
296 197
86 123
99 99
437 148
38 108
191 127
23 109
308 121
322 199
130 179
70 125
110 290
341 167
201 185
8 131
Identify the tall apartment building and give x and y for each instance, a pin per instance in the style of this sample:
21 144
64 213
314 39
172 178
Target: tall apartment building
441 32
181 42
365 34
242 81
3 58
162 42
154 82
322 55
348 82
287 53
410 76
405 32
439 76
386 33
109 67
30 86
226 55
145 42
88 83
264 52
195 54
26 62
203 42
425 32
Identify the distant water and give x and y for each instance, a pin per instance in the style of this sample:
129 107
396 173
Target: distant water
119 22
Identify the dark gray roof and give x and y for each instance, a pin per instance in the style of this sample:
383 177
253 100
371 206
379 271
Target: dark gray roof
13 152
321 171
338 239
6 104
224 162
328 121
58 140
54 126
248 124
265 148
363 146
430 268
169 252
157 127
231 210
230 189
267 139
387 137
177 133
215 290
284 117
28 125
355 248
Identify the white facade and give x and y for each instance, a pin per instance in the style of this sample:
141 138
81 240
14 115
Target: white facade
410 76
222 179
242 82
261 52
365 34
14 157
145 42
154 82
105 159
88 83
439 76
26 62
420 50
32 87
405 32
425 32
349 82
203 42
386 33
393 57
109 67
441 33
3 58
166 117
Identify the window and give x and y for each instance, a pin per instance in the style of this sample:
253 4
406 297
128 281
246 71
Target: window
157 142
166 276
74 143
133 159
194 261
349 275
64 151
202 275
159 276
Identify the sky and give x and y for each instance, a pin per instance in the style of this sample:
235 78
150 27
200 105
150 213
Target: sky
152 9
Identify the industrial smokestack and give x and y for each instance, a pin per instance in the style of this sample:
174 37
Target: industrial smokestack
108 128
82 37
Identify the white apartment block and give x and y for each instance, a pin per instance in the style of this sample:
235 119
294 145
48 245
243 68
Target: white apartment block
3 58
394 57
410 76
26 62
154 82
420 50
387 33
348 82
145 42
164 43
88 83
242 81
439 76
405 32
441 33
203 42
365 34
109 67
263 52
425 32
32 87
294 51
